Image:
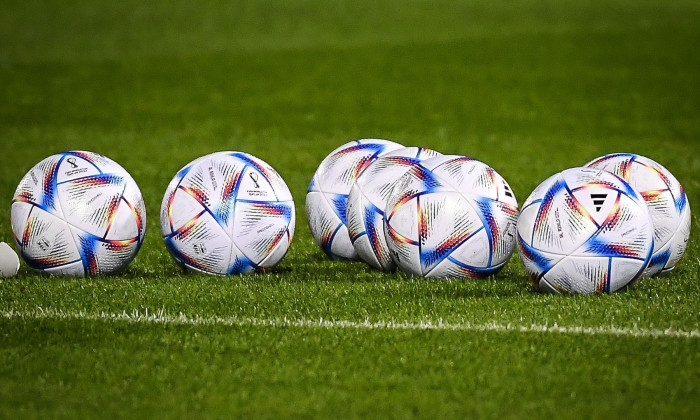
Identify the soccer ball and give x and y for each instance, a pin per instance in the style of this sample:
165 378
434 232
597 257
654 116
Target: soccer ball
584 231
666 200
227 213
367 200
78 213
451 216
328 192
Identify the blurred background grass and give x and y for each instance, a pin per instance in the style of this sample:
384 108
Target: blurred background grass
530 87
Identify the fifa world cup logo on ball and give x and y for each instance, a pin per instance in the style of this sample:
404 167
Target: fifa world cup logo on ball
227 213
254 177
78 213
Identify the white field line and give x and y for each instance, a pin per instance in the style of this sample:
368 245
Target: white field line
160 317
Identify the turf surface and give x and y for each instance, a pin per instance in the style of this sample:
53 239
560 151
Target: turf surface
529 87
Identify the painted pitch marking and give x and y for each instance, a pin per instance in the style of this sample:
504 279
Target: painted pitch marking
160 317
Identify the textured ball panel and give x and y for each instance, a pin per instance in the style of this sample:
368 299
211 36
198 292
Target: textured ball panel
202 243
111 254
402 221
103 256
329 231
47 241
367 201
560 223
418 180
102 163
125 223
227 213
475 251
366 230
240 264
375 233
179 207
213 183
474 178
501 219
664 212
38 186
82 173
539 192
133 198
535 261
679 241
588 275
526 220
89 195
276 255
259 227
340 245
19 215
167 224
255 186
624 232
665 199
90 203
333 179
325 213
378 181
622 269
668 256
342 166
584 275
452 268
584 231
75 269
402 235
445 221
354 213
364 251
574 207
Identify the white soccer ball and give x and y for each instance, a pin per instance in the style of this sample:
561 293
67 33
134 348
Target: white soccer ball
227 213
584 231
78 213
327 197
451 216
666 200
9 261
367 200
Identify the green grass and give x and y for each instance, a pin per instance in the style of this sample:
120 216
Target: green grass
529 87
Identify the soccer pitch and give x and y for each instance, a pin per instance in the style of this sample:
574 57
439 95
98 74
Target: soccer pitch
529 87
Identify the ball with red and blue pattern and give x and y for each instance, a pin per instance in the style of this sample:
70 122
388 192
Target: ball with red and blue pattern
585 231
227 213
367 200
78 213
666 200
451 216
327 196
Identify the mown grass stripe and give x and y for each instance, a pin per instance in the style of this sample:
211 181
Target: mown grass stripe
160 317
